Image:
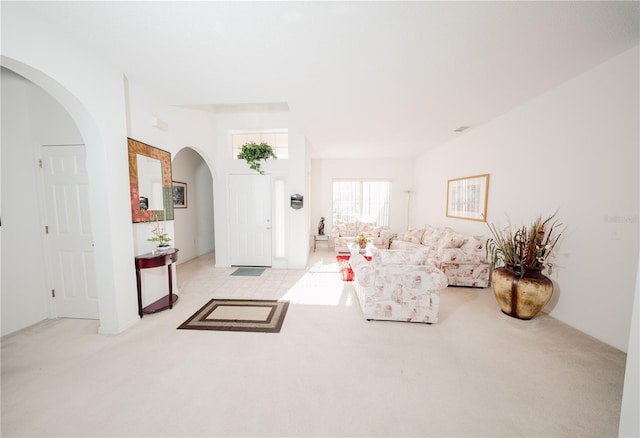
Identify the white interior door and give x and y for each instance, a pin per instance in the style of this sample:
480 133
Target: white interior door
70 237
250 220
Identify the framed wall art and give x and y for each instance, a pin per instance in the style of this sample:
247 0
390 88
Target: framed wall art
179 194
467 197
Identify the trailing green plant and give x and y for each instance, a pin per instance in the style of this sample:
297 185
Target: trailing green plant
253 153
521 248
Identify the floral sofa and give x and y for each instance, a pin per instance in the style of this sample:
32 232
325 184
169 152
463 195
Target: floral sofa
398 285
344 233
462 258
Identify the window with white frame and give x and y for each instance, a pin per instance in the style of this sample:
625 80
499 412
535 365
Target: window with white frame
277 139
363 200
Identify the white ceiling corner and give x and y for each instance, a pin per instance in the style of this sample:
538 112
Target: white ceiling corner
385 79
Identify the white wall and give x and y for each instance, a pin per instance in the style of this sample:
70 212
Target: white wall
208 134
106 112
572 149
170 128
399 171
292 171
629 420
93 95
194 225
26 115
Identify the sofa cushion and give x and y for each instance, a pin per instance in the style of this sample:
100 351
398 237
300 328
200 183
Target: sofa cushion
400 256
403 244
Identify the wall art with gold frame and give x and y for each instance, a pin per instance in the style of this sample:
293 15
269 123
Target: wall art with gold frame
467 197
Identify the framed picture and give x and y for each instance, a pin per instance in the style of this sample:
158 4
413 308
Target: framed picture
467 197
179 194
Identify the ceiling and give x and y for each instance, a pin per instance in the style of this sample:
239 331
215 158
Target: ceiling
384 79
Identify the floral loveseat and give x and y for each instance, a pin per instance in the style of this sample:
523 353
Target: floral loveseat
344 233
398 285
462 258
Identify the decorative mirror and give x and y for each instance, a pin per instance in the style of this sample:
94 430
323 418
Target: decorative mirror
149 182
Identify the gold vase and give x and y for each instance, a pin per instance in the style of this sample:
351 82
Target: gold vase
519 295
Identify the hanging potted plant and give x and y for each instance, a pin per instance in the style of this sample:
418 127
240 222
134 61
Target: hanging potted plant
518 256
253 153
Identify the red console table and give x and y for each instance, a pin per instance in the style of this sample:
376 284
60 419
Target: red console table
153 260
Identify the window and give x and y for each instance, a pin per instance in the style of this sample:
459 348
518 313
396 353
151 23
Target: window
367 201
278 140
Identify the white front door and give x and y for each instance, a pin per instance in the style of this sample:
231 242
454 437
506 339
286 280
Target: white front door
250 220
69 233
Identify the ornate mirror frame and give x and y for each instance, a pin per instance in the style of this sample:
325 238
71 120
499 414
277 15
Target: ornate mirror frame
138 213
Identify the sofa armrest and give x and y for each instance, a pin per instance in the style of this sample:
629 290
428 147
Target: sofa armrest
362 269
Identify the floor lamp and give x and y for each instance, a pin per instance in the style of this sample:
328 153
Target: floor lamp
408 192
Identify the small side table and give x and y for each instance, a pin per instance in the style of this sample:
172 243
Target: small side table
320 238
153 260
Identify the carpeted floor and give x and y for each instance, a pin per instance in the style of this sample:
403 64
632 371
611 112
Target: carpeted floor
329 372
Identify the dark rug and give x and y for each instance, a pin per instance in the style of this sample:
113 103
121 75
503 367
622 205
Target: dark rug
239 316
248 272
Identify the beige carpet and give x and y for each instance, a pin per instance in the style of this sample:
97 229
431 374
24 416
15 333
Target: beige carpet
328 373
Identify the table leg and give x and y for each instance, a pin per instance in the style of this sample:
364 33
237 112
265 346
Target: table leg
170 286
139 284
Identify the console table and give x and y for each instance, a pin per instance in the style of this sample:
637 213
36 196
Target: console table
153 260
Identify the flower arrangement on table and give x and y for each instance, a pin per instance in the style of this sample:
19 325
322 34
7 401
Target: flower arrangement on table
159 232
362 239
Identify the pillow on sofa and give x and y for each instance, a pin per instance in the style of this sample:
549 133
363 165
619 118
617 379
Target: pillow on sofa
350 229
364 227
339 229
474 244
414 235
451 239
373 232
431 236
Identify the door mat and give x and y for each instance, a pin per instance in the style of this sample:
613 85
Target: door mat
239 315
248 272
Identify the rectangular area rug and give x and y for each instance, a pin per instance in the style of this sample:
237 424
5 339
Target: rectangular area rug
248 272
239 315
